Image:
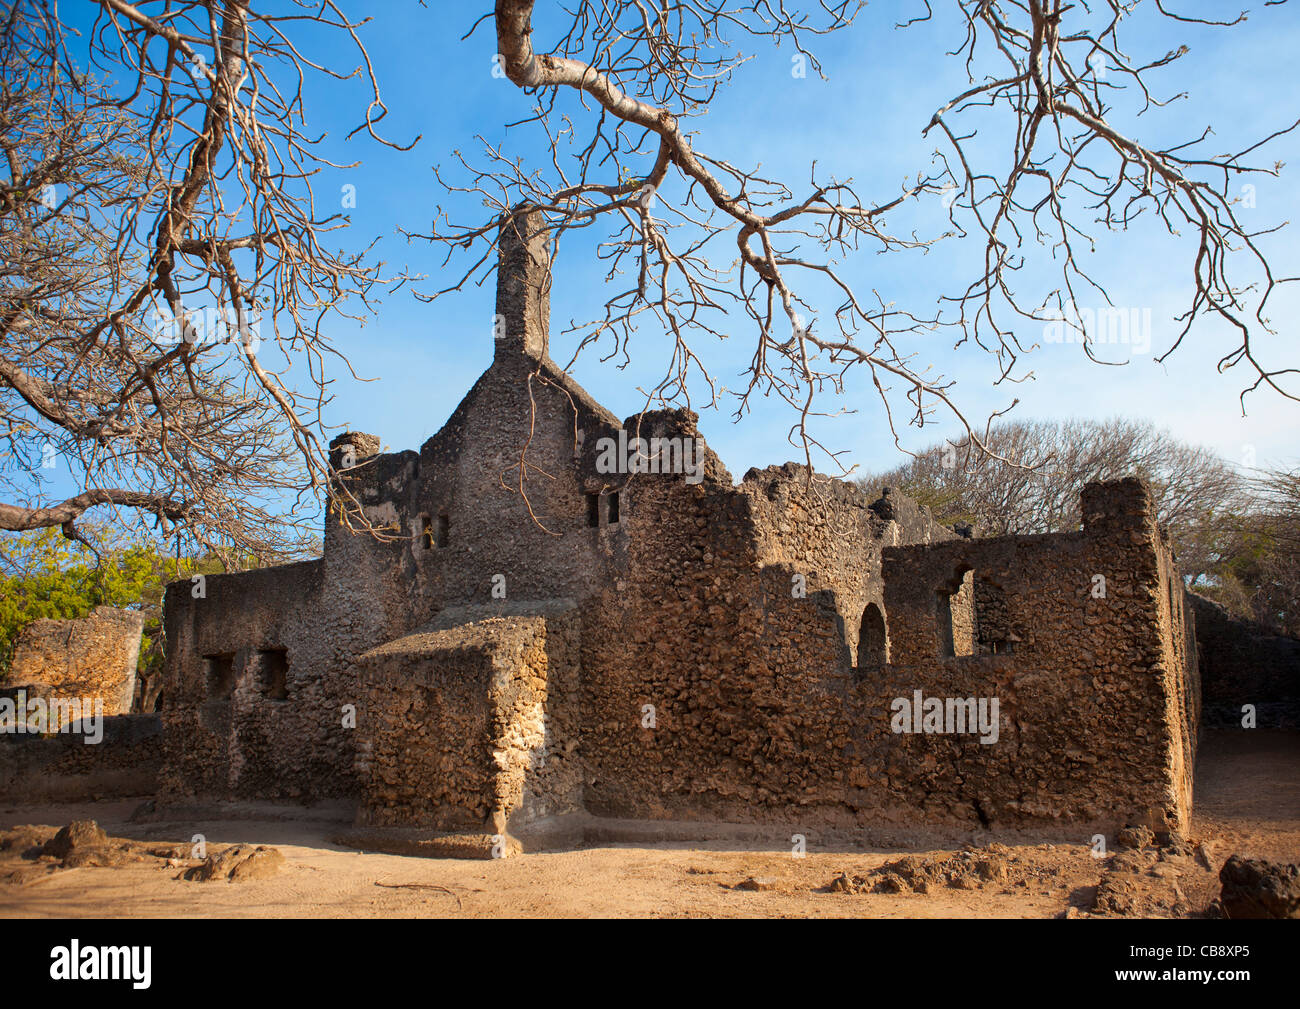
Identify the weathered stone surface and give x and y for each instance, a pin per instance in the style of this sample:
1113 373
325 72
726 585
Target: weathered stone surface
77 835
1245 663
663 643
1255 888
1135 836
238 864
94 657
63 767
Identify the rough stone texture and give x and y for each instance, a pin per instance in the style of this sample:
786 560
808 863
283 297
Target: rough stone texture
64 768
78 834
239 864
1254 888
674 645
472 724
1098 697
1245 663
93 657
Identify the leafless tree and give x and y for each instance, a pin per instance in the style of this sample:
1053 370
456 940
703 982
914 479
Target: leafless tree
1259 577
164 259
1200 498
616 93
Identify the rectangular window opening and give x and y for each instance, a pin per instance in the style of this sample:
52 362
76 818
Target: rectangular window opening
274 663
613 507
220 673
593 510
444 531
426 532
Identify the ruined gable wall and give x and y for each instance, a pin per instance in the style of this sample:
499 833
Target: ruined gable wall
542 547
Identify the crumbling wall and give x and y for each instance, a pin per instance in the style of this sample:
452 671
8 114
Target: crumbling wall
718 674
91 657
759 714
63 767
1096 700
258 679
471 727
834 531
1245 663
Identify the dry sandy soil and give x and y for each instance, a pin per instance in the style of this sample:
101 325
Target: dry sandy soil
1247 801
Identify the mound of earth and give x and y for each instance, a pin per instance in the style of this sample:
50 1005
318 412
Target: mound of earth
968 869
1256 888
33 852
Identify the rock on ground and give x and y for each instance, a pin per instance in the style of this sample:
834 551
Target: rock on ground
1255 888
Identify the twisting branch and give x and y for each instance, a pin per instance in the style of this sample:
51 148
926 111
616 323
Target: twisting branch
615 96
164 262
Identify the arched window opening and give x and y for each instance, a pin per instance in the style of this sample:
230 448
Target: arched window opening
873 642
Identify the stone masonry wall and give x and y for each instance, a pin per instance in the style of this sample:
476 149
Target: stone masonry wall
1245 663
63 767
471 727
93 657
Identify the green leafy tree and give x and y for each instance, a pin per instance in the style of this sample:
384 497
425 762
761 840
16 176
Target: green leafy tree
46 576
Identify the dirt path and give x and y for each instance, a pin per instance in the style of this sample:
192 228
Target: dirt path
1248 801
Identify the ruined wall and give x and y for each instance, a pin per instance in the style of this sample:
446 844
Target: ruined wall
63 767
833 531
535 632
760 714
472 727
256 699
729 630
1097 695
92 657
1245 663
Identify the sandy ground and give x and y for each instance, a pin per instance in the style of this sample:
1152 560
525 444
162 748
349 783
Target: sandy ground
1247 801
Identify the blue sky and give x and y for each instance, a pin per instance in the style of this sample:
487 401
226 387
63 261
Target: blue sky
865 122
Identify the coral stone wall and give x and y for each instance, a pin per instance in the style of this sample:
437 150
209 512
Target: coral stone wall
718 674
92 657
1245 663
1097 697
64 767
473 726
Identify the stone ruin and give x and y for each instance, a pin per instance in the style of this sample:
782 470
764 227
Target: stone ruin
90 658
642 638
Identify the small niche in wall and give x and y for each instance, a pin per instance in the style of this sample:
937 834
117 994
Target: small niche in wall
274 666
593 510
426 532
219 671
613 507
443 537
873 646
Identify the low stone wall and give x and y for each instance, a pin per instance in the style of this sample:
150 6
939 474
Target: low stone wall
1245 663
63 767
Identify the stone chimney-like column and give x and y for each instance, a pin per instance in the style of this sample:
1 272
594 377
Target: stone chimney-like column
523 320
